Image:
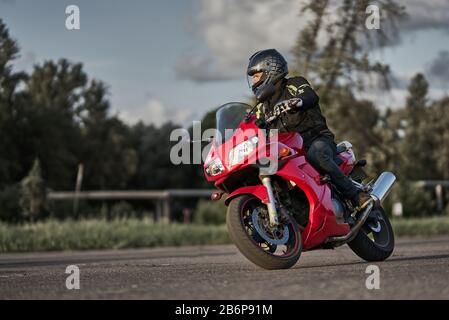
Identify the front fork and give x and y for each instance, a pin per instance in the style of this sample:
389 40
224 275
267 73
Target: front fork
271 205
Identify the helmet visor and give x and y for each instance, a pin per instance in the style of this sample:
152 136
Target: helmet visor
249 79
254 79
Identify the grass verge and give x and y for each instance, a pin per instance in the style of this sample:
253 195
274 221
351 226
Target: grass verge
101 234
55 235
424 227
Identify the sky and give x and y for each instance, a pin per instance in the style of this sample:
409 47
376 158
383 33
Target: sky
175 60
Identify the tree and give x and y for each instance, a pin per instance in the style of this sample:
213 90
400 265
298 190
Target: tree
417 164
306 48
438 126
423 146
342 58
155 170
332 51
33 193
53 92
108 155
11 110
417 98
12 121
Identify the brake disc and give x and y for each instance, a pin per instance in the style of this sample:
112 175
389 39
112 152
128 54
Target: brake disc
261 230
374 224
375 227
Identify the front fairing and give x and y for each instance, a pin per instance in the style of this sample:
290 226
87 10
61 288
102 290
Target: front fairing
268 147
244 131
239 143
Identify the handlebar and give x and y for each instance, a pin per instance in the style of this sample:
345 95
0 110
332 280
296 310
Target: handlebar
284 107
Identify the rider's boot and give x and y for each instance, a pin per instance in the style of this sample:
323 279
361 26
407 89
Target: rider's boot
361 200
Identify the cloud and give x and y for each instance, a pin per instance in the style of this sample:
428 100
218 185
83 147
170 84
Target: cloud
401 80
233 30
426 15
154 111
396 97
199 69
436 72
439 68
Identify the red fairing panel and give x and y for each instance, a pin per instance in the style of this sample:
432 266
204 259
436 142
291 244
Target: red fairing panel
259 191
322 222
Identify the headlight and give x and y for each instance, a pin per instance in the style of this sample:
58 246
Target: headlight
239 152
215 167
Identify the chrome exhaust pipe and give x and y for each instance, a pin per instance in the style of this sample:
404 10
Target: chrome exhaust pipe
382 186
379 192
341 240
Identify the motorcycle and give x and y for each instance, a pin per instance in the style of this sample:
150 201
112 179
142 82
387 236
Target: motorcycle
279 205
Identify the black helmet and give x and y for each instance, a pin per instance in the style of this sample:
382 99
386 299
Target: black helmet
273 66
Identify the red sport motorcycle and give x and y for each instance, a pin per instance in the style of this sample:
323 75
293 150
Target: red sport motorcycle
279 205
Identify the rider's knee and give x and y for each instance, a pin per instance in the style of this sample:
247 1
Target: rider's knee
319 156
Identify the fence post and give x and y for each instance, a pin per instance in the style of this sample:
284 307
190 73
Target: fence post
158 213
166 208
439 196
79 181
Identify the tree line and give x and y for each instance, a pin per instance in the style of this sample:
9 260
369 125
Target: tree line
56 117
412 140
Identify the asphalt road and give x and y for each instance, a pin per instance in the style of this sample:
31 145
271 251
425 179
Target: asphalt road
418 269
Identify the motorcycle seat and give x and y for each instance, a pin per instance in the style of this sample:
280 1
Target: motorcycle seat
341 147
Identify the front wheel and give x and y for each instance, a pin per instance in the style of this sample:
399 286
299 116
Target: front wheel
375 240
269 248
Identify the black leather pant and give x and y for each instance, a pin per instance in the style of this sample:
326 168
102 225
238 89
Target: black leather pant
321 154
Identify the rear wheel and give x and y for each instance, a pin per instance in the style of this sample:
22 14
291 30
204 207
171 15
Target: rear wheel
375 240
269 248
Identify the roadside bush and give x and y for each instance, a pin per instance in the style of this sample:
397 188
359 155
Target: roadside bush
121 209
9 204
210 212
416 201
446 210
422 227
33 193
105 234
97 234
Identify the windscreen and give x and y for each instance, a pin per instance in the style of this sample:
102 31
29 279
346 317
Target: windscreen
228 119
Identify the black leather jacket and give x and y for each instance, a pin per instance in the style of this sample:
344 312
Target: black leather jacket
308 121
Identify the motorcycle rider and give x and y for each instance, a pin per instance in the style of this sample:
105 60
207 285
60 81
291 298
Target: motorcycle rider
266 72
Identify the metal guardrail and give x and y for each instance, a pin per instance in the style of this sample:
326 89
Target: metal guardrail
432 183
109 194
162 197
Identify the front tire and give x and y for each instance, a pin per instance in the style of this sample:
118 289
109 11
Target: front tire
374 242
265 254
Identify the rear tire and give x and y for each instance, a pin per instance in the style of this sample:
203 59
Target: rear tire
374 246
247 244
